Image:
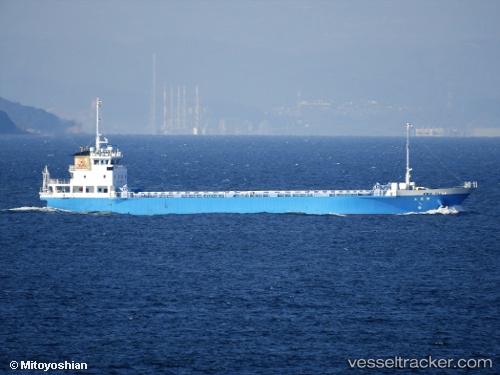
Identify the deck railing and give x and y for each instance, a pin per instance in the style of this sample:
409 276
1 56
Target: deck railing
59 181
470 184
245 194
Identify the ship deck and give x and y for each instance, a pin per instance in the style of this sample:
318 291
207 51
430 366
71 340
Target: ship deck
246 194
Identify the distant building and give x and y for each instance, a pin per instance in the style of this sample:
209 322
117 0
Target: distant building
486 132
430 132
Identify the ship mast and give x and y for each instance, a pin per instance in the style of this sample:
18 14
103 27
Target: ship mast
98 140
97 135
408 169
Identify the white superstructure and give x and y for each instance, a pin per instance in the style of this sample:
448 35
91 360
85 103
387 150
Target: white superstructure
96 172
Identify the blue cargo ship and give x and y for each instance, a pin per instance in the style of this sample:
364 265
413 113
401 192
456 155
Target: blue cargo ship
98 183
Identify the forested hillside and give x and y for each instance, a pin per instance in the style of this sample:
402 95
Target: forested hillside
33 120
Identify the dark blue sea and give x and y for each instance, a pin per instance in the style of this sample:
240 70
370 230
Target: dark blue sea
251 294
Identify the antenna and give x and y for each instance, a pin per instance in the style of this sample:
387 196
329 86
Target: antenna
299 99
408 169
171 108
152 110
184 107
98 141
97 119
164 107
178 121
197 111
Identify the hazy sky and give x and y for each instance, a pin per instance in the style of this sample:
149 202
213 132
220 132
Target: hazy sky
60 55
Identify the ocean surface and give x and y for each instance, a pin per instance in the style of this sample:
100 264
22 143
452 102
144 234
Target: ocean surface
251 294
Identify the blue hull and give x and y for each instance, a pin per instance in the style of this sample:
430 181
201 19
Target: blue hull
340 205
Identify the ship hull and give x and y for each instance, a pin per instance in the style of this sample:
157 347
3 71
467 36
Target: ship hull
340 205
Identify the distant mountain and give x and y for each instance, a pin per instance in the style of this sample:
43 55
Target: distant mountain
7 126
34 120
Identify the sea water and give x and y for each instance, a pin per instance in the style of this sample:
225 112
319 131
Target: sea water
251 294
